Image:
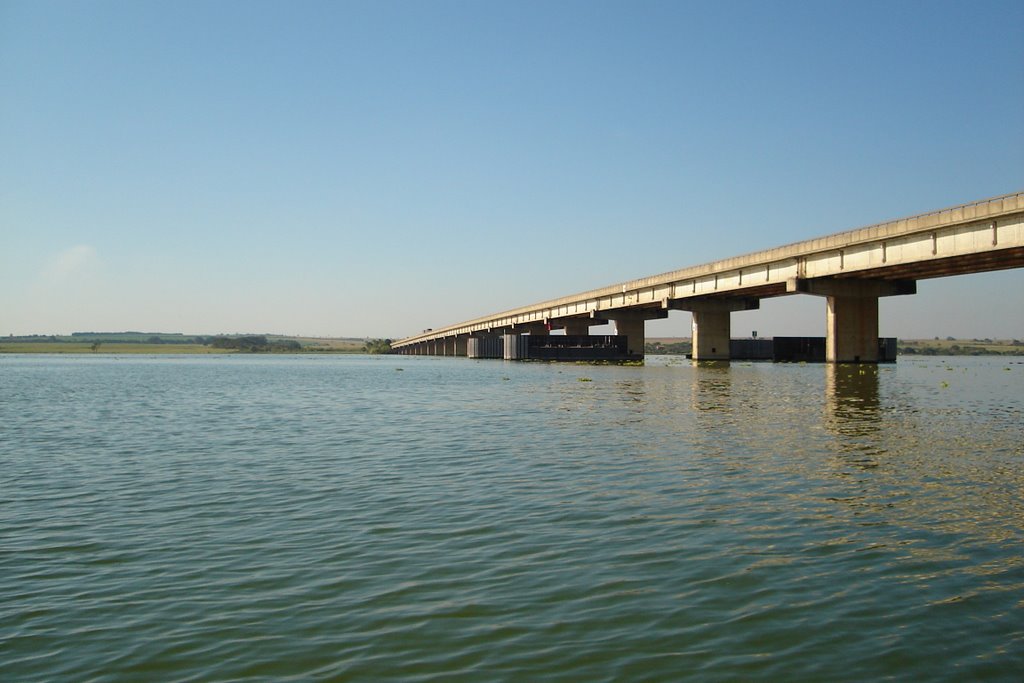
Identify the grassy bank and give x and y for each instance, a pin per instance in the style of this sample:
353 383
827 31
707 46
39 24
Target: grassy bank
176 343
82 347
320 345
960 347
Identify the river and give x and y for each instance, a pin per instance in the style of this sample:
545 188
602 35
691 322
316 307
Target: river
417 519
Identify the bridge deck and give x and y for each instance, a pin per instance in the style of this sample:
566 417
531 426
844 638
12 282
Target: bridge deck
969 238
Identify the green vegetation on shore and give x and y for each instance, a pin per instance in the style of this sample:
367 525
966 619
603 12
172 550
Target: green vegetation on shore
164 343
960 347
104 348
256 344
377 346
668 347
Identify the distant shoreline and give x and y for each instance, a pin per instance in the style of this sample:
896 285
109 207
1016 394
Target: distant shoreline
151 349
168 344
308 345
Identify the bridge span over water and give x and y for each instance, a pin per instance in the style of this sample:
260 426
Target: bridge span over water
850 270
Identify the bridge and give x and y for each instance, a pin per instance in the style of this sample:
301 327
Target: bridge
850 270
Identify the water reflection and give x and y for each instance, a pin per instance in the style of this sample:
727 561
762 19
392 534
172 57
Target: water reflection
712 386
852 407
599 516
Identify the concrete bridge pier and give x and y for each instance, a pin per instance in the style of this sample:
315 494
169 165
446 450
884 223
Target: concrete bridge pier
711 331
851 329
712 323
851 317
630 323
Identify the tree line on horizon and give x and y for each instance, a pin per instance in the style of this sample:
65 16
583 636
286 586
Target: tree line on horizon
112 338
255 344
377 346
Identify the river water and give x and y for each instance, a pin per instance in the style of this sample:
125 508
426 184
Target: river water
412 518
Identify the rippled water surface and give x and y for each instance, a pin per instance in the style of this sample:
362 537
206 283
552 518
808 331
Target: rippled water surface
375 518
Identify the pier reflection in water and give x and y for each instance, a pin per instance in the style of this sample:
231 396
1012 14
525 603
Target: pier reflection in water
851 397
853 411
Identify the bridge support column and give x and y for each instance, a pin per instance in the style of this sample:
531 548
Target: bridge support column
634 332
461 345
851 318
631 325
711 334
712 323
851 329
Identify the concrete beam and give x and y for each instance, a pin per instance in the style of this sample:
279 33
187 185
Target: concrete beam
640 314
851 287
715 305
530 328
577 326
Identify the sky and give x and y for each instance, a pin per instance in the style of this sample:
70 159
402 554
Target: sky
372 169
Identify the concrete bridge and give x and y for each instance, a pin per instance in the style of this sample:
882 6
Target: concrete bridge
850 270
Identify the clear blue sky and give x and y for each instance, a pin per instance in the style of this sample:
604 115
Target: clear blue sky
376 168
